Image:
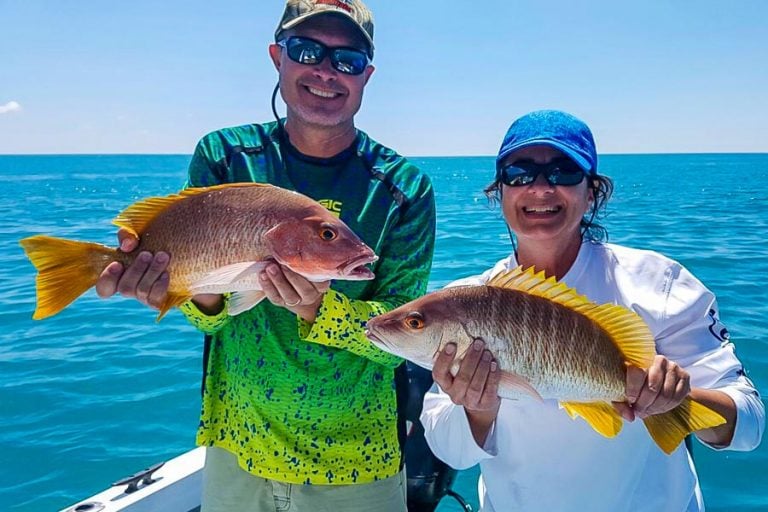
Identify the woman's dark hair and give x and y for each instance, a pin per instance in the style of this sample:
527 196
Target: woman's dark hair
602 187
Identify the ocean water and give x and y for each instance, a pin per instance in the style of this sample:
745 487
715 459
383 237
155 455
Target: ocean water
101 390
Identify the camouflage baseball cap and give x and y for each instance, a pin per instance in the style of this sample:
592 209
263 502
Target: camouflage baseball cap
298 11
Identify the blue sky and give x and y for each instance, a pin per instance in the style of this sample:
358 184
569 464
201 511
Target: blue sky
153 77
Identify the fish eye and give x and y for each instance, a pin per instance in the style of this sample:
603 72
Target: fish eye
414 321
328 234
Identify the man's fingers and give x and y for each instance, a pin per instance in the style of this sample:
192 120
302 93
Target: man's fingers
126 240
159 291
133 274
306 290
147 282
106 285
286 294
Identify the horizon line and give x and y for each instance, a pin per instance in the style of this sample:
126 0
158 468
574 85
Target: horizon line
412 156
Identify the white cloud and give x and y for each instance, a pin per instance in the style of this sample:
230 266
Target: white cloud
11 106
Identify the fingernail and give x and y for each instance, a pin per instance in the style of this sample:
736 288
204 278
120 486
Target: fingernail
263 276
272 270
478 345
494 366
450 348
161 258
487 356
145 257
115 270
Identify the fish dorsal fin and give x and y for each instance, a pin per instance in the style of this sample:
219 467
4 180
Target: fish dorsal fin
625 327
137 216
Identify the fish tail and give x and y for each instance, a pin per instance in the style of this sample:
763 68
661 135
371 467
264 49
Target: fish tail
66 269
670 428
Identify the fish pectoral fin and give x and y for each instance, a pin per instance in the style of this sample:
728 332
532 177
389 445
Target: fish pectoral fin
511 384
240 302
601 416
226 275
670 428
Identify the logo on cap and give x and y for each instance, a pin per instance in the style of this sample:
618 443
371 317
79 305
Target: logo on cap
341 4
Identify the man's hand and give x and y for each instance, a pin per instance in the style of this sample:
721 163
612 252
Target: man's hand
659 389
284 287
145 279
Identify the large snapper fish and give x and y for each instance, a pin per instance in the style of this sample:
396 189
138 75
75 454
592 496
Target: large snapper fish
219 239
549 342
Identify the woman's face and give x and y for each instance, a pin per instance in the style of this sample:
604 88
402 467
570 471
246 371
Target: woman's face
540 211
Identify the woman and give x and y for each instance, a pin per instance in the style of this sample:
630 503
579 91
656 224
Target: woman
532 455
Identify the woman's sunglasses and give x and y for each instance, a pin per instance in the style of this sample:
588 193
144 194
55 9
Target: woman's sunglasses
563 171
304 50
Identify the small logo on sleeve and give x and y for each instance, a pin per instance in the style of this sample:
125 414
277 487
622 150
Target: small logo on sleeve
717 329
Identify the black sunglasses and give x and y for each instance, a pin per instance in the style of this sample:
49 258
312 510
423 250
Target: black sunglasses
563 171
304 50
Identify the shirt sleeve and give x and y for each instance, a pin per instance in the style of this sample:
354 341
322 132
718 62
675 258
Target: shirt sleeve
405 261
694 337
447 431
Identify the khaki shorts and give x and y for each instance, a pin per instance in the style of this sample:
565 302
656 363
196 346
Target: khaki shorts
228 488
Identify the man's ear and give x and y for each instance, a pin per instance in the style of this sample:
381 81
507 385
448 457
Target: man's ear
275 53
368 72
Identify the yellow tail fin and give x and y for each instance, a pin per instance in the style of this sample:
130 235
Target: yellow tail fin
66 269
669 429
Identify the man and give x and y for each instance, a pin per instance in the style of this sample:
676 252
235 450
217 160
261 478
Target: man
299 409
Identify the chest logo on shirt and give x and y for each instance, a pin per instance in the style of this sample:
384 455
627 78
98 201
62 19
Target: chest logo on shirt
332 206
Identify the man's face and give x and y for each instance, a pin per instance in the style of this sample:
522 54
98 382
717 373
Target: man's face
319 95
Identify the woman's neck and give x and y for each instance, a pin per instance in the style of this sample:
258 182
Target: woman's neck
554 257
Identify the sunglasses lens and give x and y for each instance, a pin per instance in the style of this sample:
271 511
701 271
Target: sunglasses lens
305 51
351 62
566 177
515 176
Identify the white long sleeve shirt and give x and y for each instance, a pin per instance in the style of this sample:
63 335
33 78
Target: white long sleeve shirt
537 458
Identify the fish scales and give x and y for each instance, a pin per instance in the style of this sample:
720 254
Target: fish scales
216 237
562 353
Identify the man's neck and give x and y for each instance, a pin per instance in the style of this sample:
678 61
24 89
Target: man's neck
320 142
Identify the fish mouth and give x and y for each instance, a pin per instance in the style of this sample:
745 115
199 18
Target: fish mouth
374 338
356 270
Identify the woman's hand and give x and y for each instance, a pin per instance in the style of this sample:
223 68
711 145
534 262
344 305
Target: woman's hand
657 390
474 387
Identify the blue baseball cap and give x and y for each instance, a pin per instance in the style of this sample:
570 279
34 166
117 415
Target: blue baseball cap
552 128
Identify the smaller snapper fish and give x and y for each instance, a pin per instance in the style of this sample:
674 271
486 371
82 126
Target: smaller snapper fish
549 342
219 239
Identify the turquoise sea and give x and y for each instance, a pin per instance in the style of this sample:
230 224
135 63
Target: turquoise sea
101 390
